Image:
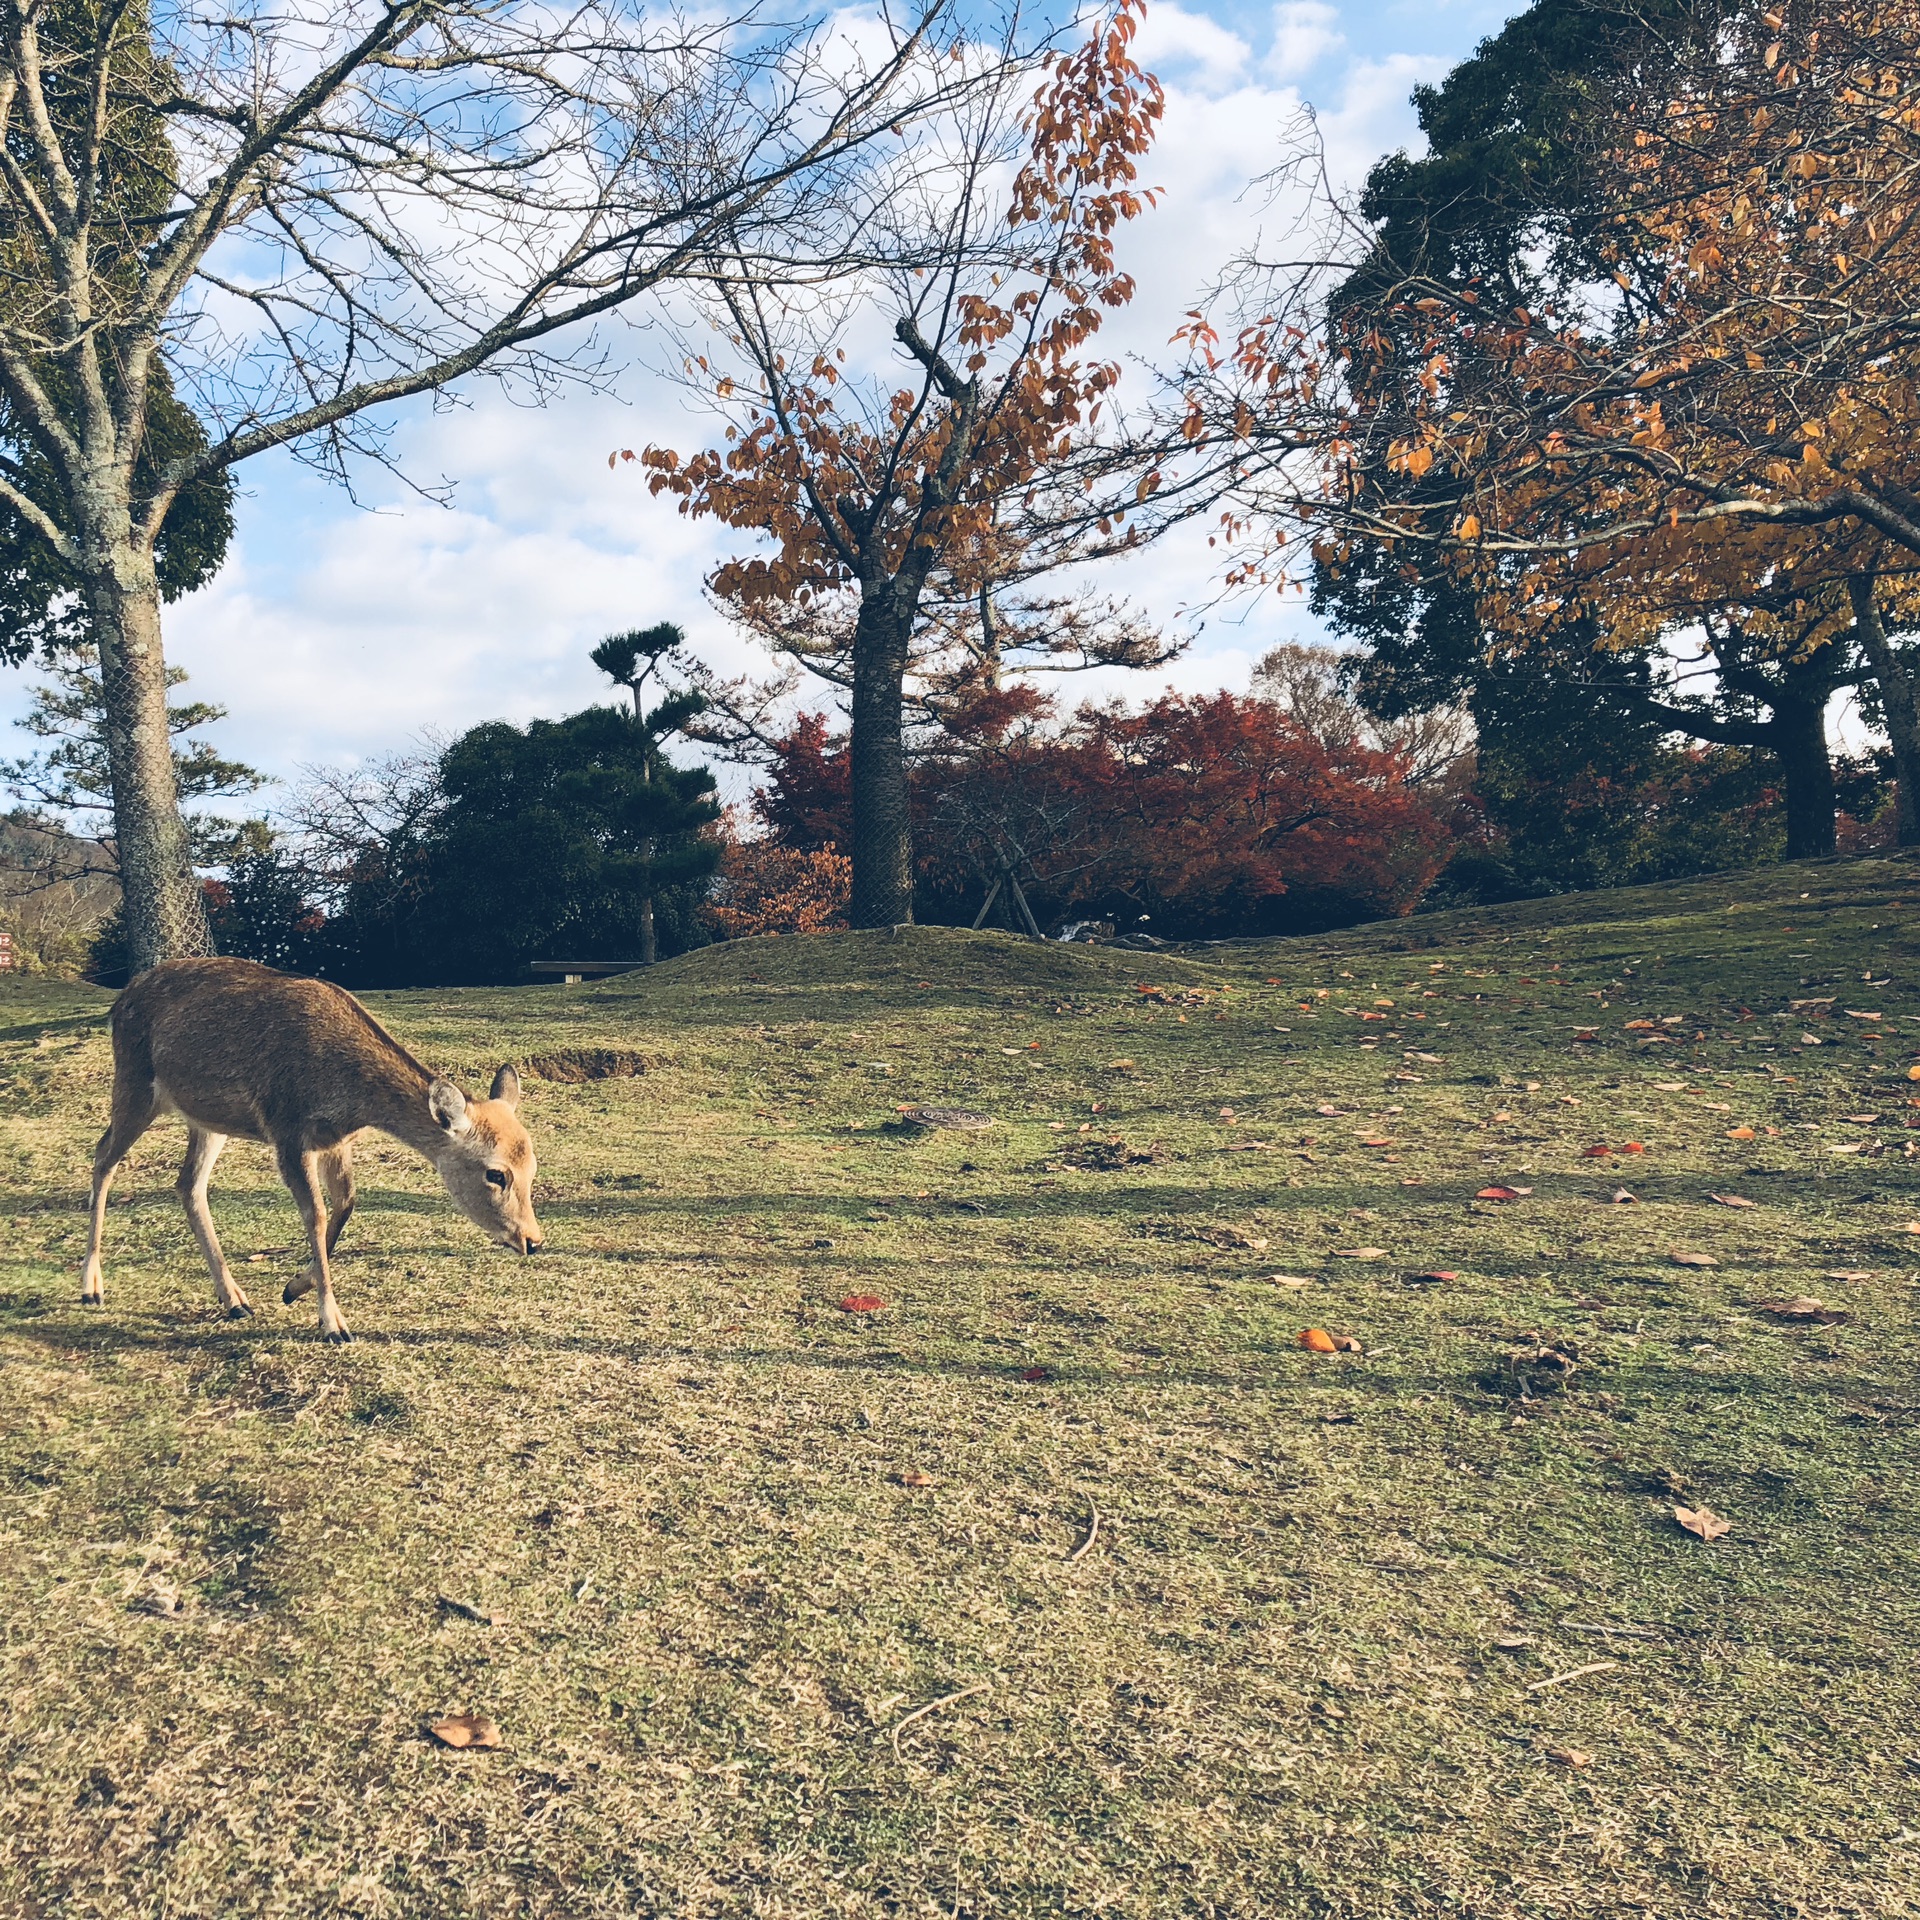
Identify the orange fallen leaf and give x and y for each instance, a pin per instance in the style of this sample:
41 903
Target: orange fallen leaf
1639 1026
1740 1133
462 1730
1632 1146
1374 1140
1729 1200
914 1477
862 1303
1702 1522
1318 1340
1597 1153
1693 1259
1568 1756
1503 1193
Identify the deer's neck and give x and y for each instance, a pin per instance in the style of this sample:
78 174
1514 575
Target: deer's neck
397 1104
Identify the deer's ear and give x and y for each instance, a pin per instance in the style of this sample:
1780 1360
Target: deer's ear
506 1088
448 1105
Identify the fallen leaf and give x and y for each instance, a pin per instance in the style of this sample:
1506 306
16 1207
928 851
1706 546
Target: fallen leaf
1294 1280
1702 1522
1848 1277
913 1477
1801 1307
1503 1193
1913 1073
465 1609
1860 1119
1433 1060
862 1303
1513 1642
1373 1140
1359 1253
1730 1200
1739 1133
1622 1198
1438 1277
1693 1259
460 1730
1639 1026
1568 1756
1318 1340
1034 1374
1346 1343
1671 1086
1847 1146
1328 1113
1597 1153
1632 1146
1121 1066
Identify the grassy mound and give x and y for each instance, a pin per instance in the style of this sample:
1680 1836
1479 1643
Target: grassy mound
1066 1581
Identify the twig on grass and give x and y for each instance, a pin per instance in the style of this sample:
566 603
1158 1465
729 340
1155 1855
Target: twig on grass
1595 1626
933 1706
1572 1673
1093 1530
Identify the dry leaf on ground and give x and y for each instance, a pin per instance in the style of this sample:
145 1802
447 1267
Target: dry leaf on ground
1346 1343
1359 1253
1436 1277
1295 1280
1503 1193
1730 1200
1740 1133
462 1730
1622 1198
1801 1307
862 1303
1702 1522
1568 1756
914 1477
1847 1276
1317 1340
1681 1259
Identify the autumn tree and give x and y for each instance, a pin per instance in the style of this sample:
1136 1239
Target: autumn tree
279 221
907 519
1702 407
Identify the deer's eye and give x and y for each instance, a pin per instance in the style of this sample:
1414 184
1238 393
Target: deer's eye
496 1177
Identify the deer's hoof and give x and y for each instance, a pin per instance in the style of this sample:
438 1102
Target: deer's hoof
340 1337
295 1289
240 1310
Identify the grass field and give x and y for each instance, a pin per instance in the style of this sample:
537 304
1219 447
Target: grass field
1406 1631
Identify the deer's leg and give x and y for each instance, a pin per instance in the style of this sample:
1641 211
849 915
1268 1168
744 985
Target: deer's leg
336 1169
132 1115
203 1149
300 1169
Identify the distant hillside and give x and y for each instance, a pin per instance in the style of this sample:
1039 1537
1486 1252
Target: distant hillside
49 901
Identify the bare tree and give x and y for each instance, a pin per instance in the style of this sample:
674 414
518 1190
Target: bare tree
290 216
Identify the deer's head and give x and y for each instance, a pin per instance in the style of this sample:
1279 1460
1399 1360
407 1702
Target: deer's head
486 1160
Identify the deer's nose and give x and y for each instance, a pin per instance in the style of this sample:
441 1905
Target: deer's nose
530 1245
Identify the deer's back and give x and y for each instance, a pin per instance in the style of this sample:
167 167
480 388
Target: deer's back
241 1049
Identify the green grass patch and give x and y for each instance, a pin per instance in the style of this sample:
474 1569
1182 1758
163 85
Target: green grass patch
731 1537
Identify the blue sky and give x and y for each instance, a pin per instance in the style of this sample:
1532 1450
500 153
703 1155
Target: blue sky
339 631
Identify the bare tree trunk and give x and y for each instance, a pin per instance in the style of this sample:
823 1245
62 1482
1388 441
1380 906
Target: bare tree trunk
165 916
1900 701
882 821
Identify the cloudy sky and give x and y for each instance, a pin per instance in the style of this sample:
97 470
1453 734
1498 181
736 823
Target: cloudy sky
339 630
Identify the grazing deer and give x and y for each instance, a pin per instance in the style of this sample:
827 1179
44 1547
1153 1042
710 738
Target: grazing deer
235 1048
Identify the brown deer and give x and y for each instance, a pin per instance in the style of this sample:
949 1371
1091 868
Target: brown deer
235 1048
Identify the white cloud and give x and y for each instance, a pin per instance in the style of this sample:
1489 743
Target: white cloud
1304 33
1190 48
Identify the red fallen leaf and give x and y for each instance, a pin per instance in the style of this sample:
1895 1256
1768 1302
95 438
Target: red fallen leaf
1503 1193
1432 1279
914 1477
1632 1146
460 1730
1031 1374
862 1303
1318 1340
1597 1153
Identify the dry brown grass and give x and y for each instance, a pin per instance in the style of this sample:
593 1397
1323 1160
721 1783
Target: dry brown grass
673 1468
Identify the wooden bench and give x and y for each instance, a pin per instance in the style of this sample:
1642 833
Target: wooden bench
572 972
